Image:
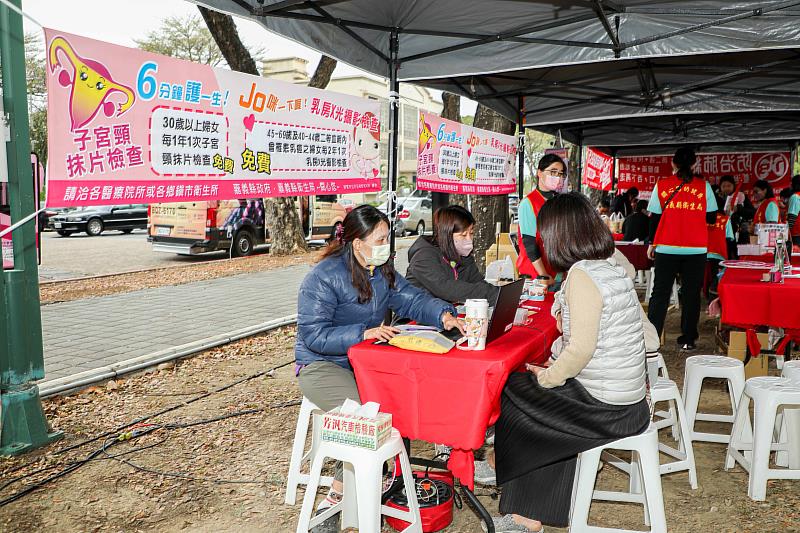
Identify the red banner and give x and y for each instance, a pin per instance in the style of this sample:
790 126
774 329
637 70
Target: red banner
747 167
598 170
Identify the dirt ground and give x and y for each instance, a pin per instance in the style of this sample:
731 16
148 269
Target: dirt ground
238 464
64 291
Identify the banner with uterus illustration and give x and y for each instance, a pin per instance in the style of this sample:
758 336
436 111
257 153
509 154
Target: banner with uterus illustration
456 158
130 127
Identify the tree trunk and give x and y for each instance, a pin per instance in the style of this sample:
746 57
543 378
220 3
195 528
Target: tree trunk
281 217
489 210
322 75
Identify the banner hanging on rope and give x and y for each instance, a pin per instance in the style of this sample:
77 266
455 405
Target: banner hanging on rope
642 172
6 246
459 159
598 170
128 126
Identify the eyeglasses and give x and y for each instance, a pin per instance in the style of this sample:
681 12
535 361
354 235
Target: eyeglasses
554 173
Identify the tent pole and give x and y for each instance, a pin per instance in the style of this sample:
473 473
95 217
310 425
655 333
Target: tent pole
394 130
521 147
23 426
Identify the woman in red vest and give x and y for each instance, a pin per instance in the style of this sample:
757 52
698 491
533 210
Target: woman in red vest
793 210
531 261
681 207
768 210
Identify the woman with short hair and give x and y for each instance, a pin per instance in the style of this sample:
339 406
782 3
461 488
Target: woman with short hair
443 263
592 392
767 210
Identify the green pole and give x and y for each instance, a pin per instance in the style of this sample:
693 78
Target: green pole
21 355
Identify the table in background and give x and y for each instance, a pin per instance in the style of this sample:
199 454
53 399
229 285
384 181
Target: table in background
636 253
450 398
747 302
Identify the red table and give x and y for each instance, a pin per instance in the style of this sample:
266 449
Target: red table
766 258
748 301
451 398
636 254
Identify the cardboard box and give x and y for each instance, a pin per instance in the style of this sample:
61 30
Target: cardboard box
737 347
352 430
506 248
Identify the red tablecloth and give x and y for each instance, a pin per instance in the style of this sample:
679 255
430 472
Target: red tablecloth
766 258
747 301
636 254
451 398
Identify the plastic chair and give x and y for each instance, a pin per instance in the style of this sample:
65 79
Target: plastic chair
790 422
698 368
667 391
768 395
645 486
299 456
363 482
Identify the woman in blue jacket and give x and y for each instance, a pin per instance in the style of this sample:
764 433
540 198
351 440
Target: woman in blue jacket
343 301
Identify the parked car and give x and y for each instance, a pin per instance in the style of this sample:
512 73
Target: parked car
96 220
513 207
347 203
399 224
413 214
47 214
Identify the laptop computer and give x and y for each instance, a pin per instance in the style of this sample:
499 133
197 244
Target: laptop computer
502 314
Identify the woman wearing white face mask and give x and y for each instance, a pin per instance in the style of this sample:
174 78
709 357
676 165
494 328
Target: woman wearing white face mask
550 180
443 264
342 302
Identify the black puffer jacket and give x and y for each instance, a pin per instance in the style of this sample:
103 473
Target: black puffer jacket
428 269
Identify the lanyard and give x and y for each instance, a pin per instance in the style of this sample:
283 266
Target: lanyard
452 265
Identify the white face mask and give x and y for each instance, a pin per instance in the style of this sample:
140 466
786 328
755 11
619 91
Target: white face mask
380 255
463 246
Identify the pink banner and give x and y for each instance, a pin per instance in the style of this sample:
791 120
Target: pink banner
128 126
460 159
746 167
598 170
6 246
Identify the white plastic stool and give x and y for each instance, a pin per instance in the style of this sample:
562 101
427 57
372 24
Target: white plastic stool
700 367
299 455
644 470
363 482
768 394
657 370
666 390
790 422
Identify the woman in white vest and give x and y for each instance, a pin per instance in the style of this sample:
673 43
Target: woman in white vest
593 390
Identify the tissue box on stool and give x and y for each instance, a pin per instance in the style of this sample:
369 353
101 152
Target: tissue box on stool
353 430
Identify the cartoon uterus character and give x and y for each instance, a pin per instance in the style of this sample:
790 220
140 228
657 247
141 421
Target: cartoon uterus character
426 137
366 151
91 82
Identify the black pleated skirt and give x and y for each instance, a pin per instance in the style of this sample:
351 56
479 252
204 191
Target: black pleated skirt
539 435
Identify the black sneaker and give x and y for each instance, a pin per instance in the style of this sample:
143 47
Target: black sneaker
688 347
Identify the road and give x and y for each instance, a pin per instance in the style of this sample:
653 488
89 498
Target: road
112 252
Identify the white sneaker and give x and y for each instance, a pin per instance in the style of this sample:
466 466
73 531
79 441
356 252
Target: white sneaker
485 474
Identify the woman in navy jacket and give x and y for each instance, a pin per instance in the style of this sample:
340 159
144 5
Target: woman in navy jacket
343 301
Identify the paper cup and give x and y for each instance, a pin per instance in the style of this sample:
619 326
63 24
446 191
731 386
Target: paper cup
476 324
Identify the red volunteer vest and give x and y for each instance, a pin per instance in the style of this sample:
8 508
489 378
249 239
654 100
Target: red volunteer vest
717 243
683 220
524 264
796 228
761 213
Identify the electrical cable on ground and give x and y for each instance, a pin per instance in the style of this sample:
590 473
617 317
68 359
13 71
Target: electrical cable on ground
138 429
